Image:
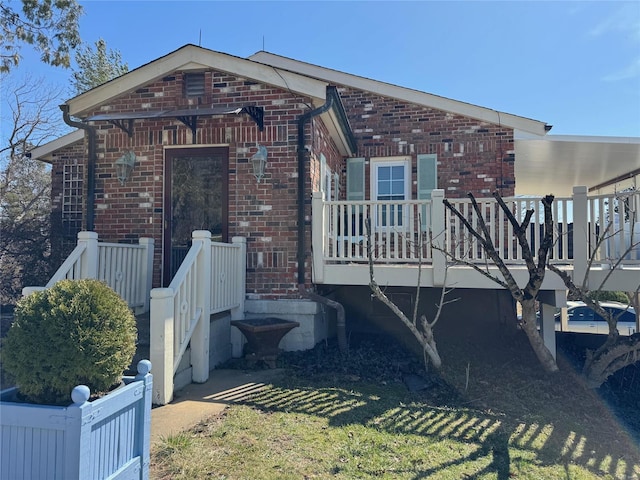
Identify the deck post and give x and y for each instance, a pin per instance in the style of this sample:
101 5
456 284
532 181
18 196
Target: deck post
89 264
318 234
161 339
548 327
580 234
238 312
146 271
438 237
200 337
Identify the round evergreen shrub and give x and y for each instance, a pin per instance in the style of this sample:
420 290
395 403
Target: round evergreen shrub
79 332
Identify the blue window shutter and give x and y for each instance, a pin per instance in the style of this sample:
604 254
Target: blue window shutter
355 178
427 181
427 175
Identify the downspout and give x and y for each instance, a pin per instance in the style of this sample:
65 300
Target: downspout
91 163
341 324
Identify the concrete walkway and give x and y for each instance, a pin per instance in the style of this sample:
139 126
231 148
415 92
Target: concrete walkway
199 401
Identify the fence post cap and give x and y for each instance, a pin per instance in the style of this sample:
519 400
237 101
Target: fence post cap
144 367
80 394
201 234
87 235
161 292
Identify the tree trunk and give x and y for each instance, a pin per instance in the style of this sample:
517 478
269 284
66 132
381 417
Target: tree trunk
529 325
600 365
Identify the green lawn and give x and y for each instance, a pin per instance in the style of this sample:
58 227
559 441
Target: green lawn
331 417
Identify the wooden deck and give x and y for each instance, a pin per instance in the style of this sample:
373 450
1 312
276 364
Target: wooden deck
413 235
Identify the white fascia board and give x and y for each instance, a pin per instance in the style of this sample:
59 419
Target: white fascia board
332 124
44 152
404 94
191 58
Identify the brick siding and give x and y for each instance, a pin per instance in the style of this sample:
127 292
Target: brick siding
472 156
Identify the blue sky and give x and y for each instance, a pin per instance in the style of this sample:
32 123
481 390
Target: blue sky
574 65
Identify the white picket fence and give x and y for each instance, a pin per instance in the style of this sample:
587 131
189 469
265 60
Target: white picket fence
211 279
126 268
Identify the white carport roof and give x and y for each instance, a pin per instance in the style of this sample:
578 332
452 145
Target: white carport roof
555 163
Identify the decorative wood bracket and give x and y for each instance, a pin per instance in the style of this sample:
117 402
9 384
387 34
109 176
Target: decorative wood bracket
190 121
257 114
124 125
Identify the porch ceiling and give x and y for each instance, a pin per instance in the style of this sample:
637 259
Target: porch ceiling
555 163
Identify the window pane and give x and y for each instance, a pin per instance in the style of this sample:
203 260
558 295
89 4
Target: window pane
383 189
397 187
397 172
384 173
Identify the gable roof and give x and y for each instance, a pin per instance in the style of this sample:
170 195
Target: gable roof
191 57
45 152
188 58
543 163
518 123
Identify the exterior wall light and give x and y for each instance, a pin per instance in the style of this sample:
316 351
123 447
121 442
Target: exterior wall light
124 166
259 162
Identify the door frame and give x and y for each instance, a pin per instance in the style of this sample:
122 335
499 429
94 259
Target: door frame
171 154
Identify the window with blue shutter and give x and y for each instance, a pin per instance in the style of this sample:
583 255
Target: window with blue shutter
427 182
355 178
427 175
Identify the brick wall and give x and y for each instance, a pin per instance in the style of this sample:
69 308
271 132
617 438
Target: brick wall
473 156
264 213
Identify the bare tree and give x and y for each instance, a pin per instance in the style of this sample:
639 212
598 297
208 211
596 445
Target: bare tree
25 185
536 266
617 351
422 330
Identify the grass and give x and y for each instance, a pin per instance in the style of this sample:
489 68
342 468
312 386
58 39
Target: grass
331 417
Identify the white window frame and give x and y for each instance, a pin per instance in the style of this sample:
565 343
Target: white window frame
374 165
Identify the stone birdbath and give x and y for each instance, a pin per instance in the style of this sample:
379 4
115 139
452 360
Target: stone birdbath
263 337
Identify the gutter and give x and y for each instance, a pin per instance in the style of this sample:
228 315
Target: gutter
91 163
304 118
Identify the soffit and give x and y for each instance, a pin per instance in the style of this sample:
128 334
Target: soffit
556 163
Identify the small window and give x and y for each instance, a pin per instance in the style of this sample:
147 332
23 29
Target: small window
194 84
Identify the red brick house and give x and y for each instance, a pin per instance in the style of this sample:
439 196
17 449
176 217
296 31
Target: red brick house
196 119
202 104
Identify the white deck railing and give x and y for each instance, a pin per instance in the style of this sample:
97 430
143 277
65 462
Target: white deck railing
397 228
211 279
126 268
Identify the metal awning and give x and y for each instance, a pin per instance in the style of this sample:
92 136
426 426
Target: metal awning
188 116
556 163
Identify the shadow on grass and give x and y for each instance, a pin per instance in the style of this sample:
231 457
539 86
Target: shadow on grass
494 438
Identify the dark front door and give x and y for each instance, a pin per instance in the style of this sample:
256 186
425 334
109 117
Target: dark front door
196 198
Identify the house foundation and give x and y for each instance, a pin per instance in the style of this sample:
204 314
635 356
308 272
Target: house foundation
316 323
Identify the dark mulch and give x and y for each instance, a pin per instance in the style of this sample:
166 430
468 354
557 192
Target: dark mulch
509 378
